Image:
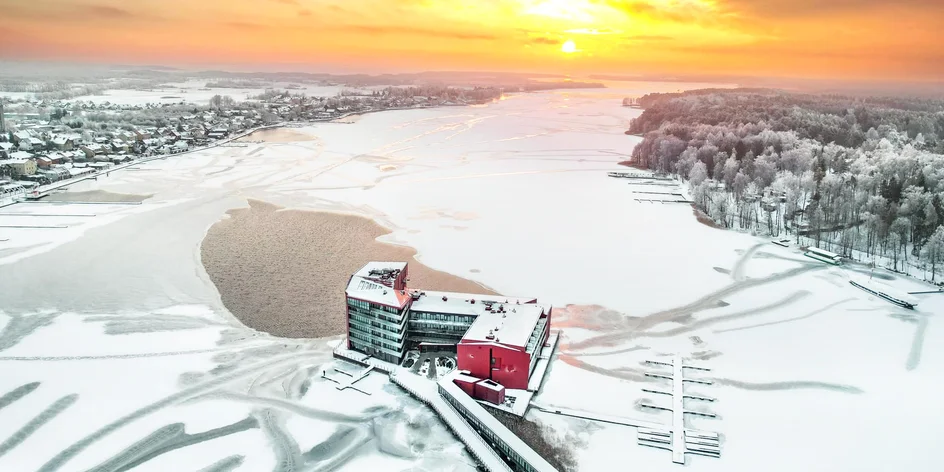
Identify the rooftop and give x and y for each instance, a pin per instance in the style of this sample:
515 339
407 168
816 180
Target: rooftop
512 326
507 320
492 385
374 283
381 272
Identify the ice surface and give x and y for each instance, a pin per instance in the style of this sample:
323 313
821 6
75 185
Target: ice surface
810 373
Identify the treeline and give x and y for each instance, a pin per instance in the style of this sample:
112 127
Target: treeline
58 90
862 177
237 84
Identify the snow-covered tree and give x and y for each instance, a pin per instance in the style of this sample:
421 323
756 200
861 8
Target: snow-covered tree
933 250
698 174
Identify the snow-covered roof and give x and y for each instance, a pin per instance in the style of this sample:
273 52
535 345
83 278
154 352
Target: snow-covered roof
491 385
512 327
372 269
466 377
20 155
461 303
80 170
508 320
373 283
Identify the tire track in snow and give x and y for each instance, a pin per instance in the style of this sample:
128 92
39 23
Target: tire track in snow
225 465
64 456
17 393
288 456
638 325
29 428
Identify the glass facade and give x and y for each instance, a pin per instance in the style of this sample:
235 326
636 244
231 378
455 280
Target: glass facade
377 330
438 327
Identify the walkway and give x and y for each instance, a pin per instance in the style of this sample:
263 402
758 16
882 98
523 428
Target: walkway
427 392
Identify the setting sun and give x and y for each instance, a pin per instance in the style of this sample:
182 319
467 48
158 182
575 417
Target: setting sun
569 47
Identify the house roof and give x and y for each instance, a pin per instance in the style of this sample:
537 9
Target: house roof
20 155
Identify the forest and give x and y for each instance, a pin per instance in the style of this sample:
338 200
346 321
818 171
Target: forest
862 177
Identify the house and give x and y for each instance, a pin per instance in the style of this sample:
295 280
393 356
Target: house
5 150
21 136
37 144
170 135
56 173
63 143
154 142
218 133
141 135
118 145
22 166
56 157
119 158
91 150
126 136
43 162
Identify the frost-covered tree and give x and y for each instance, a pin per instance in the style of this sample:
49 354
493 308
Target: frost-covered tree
698 174
933 251
864 174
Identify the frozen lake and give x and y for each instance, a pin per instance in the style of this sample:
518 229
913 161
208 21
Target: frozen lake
119 324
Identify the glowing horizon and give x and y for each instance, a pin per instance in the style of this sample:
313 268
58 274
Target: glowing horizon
790 38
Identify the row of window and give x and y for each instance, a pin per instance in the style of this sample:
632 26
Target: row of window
378 351
380 315
359 333
427 316
375 306
438 324
506 452
368 321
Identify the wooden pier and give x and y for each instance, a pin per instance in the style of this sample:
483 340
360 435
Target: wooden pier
678 439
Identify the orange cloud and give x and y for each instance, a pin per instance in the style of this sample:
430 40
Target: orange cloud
838 38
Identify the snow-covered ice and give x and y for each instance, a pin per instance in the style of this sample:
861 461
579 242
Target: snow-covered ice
810 373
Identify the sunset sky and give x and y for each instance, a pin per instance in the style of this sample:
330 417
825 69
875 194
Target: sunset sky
792 38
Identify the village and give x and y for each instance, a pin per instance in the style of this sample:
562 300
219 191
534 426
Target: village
45 142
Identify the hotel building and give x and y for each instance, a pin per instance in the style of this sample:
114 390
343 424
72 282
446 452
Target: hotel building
496 338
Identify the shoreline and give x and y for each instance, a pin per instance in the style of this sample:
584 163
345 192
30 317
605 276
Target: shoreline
283 271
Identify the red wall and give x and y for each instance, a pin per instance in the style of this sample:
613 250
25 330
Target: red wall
489 395
467 386
510 369
474 358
